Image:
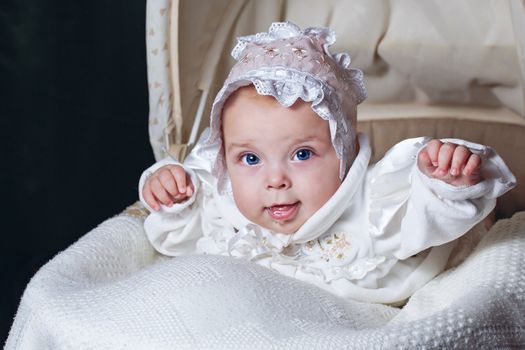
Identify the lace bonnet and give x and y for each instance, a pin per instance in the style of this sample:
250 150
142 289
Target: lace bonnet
288 64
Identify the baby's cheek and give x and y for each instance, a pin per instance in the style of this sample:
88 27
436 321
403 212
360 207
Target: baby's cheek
325 194
245 199
322 189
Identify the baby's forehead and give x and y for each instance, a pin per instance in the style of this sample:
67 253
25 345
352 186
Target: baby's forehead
246 121
250 93
248 96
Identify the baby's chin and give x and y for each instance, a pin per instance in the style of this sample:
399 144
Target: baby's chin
285 228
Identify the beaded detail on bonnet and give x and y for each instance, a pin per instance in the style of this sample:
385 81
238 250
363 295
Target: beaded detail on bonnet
289 63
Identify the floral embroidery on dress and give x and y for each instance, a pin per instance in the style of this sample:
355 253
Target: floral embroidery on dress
332 246
334 256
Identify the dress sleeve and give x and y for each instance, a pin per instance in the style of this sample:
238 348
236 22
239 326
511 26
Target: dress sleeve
410 212
175 230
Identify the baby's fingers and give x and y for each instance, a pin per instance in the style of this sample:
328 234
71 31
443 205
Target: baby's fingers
459 159
473 165
445 157
168 182
160 192
189 189
425 163
149 197
180 178
433 147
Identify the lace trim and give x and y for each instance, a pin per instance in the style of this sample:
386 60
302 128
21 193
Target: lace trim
326 38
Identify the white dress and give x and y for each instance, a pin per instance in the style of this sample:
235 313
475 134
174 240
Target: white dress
387 231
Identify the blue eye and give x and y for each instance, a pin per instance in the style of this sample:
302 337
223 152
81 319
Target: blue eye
302 154
250 159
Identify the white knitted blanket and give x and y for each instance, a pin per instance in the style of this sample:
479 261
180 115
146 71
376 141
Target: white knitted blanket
110 290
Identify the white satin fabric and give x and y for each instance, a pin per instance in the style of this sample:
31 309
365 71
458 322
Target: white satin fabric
386 232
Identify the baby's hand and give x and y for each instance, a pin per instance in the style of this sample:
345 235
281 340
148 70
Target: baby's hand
169 184
451 163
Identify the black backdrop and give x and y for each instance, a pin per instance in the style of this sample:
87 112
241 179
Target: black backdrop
73 114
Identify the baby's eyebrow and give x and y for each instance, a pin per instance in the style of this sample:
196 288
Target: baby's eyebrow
250 143
246 144
308 138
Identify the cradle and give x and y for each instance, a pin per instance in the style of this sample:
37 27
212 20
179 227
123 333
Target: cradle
443 70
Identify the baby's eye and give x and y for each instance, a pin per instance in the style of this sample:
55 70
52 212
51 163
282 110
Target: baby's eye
250 159
302 154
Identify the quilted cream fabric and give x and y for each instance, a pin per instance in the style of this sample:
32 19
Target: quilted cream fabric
110 290
160 83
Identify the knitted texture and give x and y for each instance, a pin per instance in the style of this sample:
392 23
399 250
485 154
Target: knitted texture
110 290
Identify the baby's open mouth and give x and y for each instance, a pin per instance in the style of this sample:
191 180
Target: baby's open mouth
282 212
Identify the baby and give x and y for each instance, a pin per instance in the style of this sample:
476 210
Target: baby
282 178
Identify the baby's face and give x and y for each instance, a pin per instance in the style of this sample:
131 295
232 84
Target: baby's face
281 161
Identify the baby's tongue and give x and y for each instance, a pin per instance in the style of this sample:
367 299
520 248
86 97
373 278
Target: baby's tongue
282 211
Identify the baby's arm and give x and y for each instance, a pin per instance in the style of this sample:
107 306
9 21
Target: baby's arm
451 163
417 206
457 186
173 226
168 185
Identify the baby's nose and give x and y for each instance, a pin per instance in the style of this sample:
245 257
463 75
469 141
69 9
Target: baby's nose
278 179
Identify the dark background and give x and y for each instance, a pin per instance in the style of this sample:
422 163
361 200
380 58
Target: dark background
73 127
